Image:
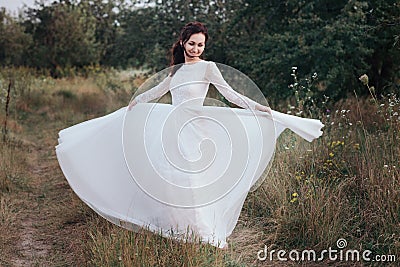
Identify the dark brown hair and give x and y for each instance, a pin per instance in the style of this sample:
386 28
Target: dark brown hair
177 51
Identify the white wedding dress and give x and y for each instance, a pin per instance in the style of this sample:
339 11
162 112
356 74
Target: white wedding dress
176 169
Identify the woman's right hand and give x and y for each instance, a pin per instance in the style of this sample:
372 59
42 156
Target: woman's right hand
132 104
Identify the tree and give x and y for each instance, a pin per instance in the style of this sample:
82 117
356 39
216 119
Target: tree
64 37
148 31
107 15
384 26
316 36
14 42
137 39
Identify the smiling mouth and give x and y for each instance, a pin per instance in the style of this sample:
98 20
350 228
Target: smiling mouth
192 53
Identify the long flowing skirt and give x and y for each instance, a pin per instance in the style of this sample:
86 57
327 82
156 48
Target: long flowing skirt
174 170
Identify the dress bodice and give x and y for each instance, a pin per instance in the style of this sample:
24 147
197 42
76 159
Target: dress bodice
190 84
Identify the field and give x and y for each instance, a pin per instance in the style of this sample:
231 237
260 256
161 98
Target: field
343 186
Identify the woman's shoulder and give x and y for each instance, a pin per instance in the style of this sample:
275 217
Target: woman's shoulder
200 64
203 61
208 63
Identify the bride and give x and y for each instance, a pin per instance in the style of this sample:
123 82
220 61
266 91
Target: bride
182 169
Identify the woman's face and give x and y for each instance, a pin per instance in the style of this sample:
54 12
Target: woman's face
194 47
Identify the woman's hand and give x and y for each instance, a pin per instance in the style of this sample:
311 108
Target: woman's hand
263 108
132 104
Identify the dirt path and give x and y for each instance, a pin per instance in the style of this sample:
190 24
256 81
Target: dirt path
50 228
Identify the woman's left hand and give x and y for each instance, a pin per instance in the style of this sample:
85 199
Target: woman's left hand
263 108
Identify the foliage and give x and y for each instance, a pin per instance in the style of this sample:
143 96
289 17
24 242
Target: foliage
63 35
384 28
337 39
315 36
13 41
147 33
106 15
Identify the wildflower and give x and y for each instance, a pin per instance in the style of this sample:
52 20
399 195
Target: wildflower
331 154
294 68
293 200
295 194
385 166
372 89
364 79
342 143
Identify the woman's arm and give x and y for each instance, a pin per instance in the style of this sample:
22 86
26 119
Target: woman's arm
214 76
155 92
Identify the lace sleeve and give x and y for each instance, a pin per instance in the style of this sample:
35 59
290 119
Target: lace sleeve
214 76
155 92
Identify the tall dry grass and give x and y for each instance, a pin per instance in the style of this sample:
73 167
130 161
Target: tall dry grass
113 246
345 185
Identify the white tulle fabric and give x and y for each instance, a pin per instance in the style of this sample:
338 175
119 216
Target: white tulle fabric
149 167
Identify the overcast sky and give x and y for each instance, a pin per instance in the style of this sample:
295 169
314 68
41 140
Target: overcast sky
13 5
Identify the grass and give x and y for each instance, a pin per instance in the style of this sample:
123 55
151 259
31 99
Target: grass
147 249
343 185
